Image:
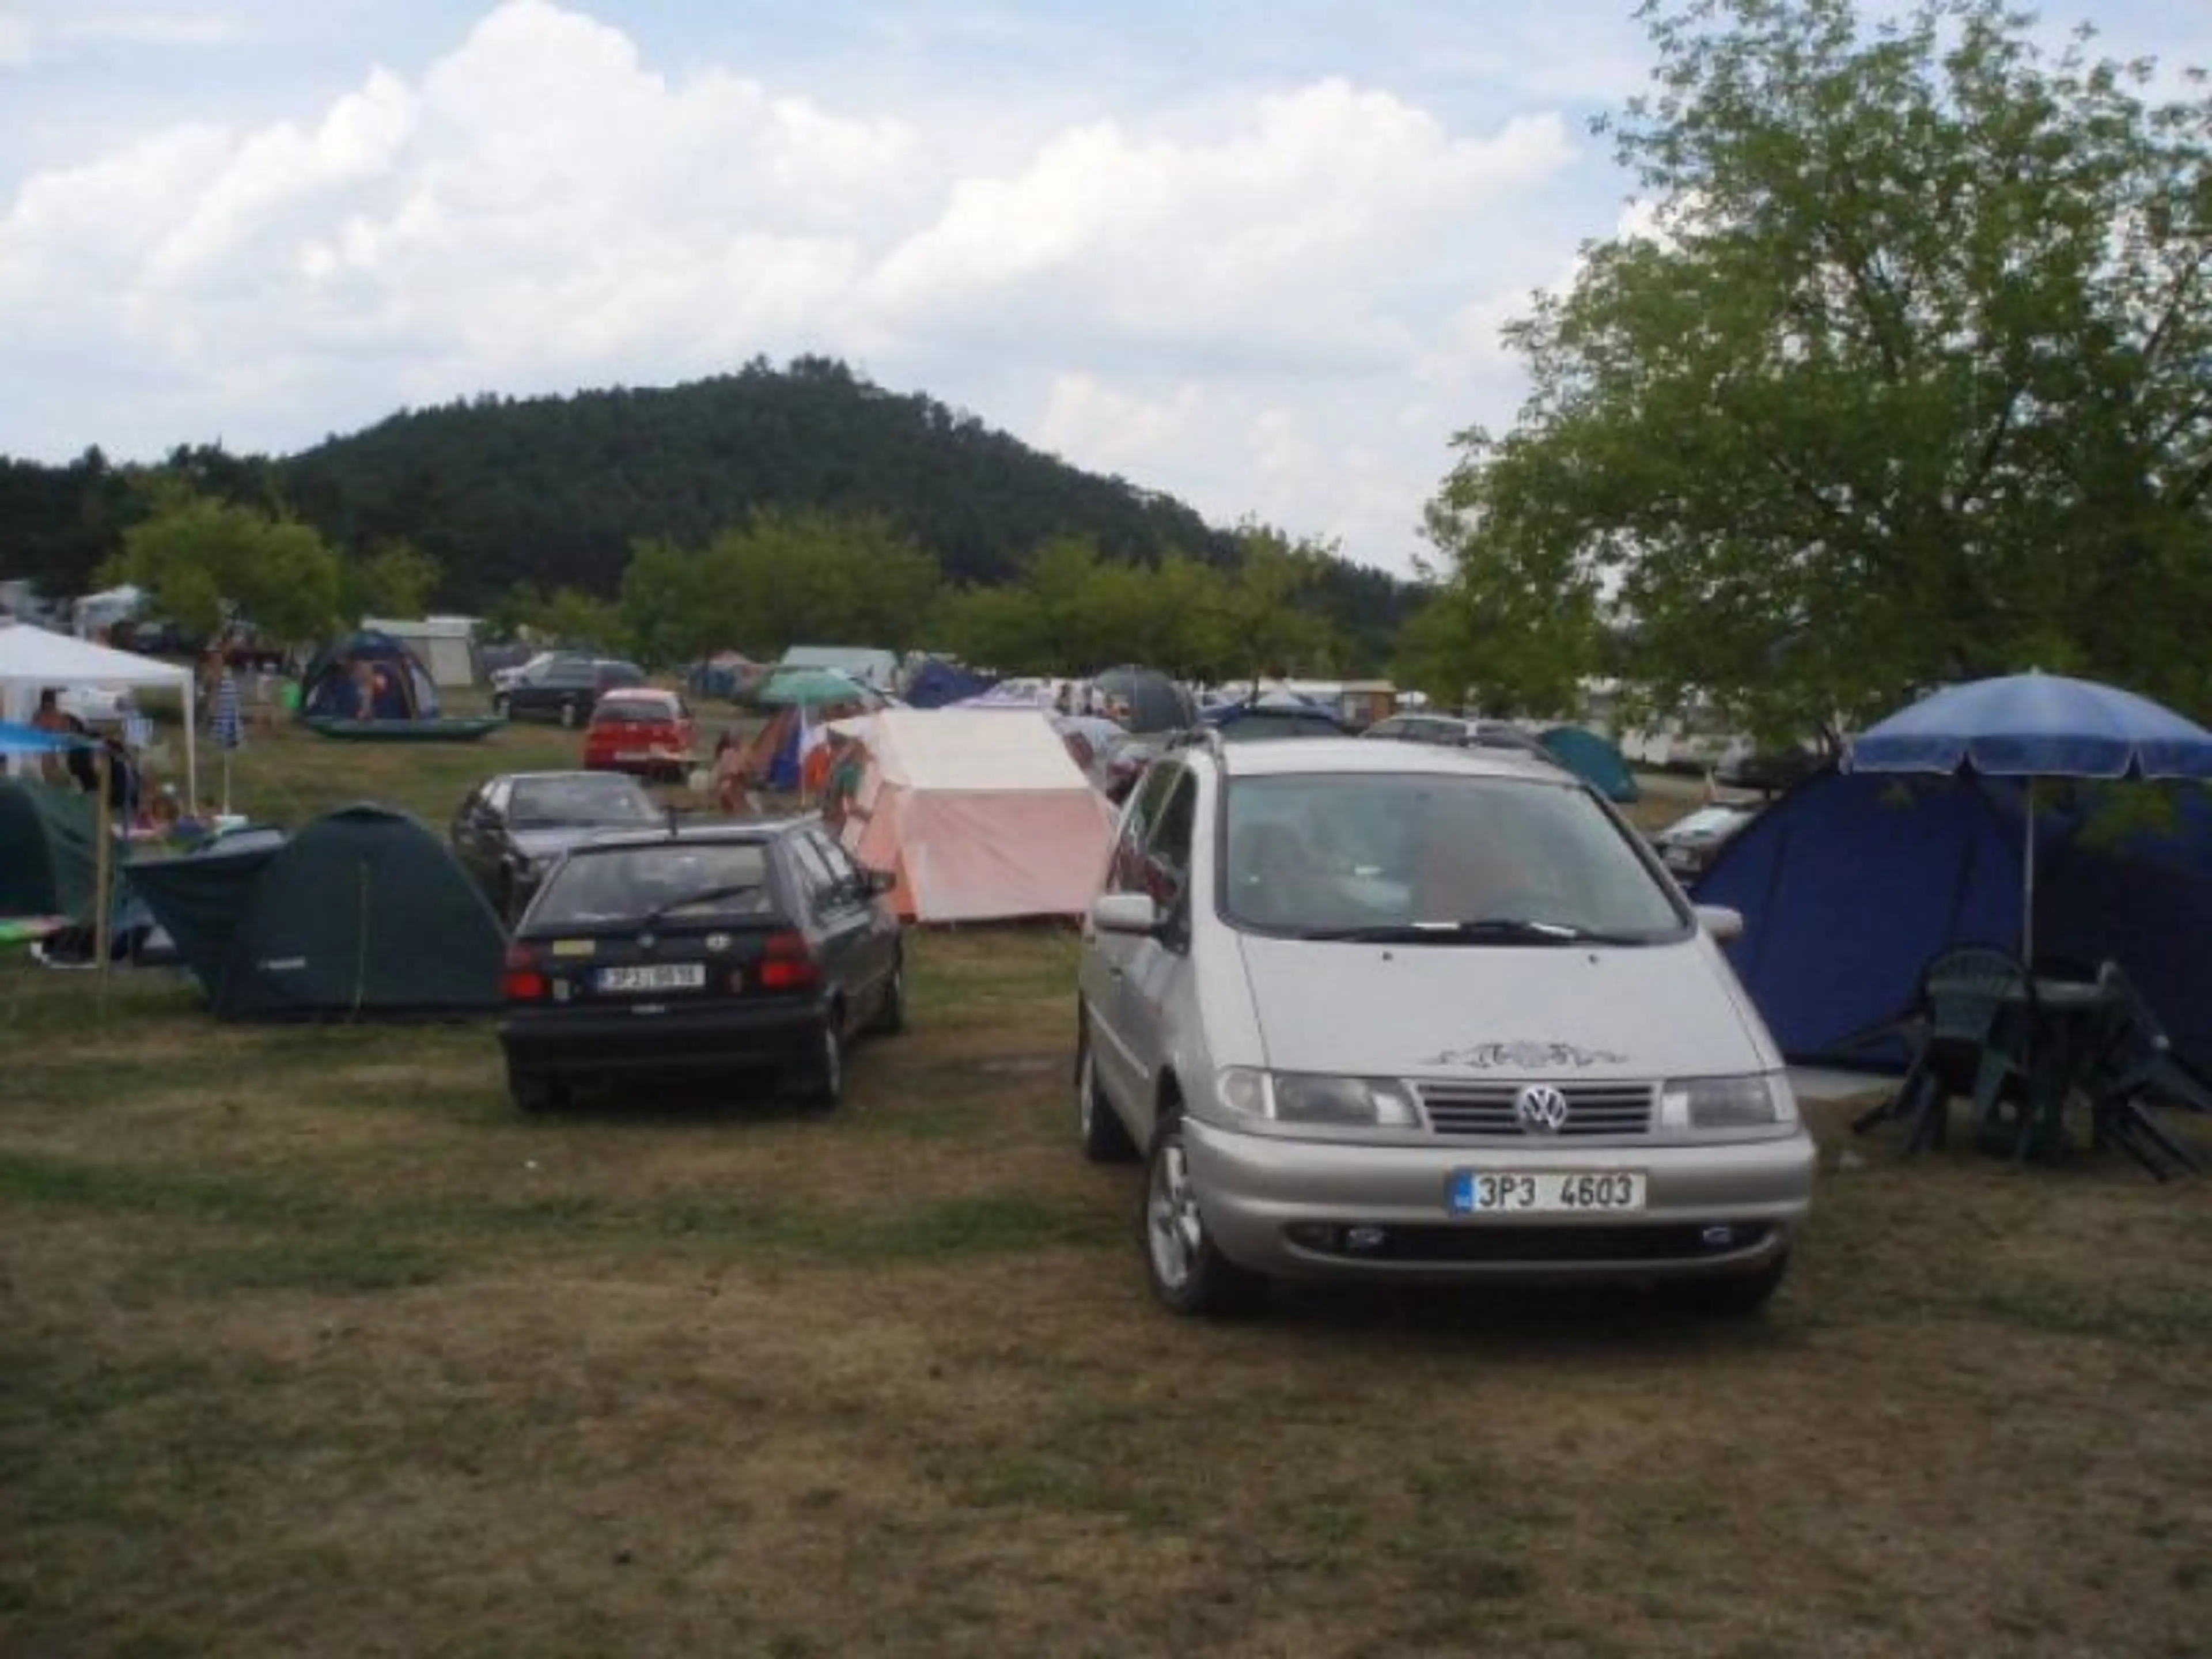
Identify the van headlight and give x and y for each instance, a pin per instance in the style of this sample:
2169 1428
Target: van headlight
1306 1097
1763 1102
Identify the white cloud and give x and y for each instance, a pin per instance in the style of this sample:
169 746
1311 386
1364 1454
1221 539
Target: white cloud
1275 305
18 46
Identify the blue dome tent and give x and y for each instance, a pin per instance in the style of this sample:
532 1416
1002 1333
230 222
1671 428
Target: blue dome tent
1851 882
368 676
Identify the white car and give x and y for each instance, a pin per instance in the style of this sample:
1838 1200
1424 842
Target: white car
1389 1011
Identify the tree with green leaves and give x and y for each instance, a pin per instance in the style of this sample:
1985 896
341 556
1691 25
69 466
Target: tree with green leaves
1907 379
392 578
205 563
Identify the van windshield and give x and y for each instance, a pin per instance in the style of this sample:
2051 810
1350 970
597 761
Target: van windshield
1437 859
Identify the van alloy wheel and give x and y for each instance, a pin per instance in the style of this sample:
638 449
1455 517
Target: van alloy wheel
1189 1274
1177 1234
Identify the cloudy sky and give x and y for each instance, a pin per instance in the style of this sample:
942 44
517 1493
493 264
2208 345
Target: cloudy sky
1255 254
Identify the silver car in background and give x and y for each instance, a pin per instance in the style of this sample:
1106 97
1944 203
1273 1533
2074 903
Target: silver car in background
1383 1011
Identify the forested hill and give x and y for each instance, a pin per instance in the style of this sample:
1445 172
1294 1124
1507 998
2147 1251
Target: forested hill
552 490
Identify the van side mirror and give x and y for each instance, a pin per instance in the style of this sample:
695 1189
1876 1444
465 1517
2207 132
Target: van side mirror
1722 922
1124 912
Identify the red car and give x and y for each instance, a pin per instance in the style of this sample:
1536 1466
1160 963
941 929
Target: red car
643 732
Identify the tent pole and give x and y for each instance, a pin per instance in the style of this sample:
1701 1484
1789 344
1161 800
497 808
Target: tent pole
102 874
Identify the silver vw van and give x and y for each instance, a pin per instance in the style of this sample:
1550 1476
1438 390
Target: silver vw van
1381 1011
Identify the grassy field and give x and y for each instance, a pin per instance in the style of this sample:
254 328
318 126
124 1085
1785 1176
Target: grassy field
309 1344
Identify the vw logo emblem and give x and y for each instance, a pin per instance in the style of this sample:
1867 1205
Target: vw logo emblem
1541 1108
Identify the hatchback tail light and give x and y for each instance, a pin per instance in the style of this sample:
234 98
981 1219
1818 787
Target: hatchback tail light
788 963
520 980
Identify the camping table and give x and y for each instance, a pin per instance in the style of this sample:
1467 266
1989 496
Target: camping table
2066 1012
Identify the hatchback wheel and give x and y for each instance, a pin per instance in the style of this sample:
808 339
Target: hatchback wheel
891 1018
825 1084
1188 1274
569 714
1097 1126
535 1095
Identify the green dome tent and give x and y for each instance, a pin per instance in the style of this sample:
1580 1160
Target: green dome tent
364 913
1594 760
49 842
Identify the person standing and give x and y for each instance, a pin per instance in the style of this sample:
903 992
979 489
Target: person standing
49 717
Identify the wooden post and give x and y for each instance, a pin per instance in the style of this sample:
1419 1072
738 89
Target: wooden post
103 861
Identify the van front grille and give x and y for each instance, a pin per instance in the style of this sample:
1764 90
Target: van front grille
1490 1110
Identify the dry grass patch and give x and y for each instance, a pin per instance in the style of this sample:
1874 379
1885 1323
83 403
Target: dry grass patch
309 1343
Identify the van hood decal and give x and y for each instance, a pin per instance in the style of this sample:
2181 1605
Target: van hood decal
1597 1013
1524 1056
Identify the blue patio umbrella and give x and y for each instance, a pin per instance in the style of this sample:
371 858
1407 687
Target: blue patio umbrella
2031 726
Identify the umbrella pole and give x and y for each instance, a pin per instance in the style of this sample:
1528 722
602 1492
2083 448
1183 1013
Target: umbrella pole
2027 885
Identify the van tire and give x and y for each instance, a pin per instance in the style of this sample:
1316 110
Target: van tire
1209 1286
1098 1128
1732 1296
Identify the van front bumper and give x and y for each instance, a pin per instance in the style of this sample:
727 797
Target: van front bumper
1306 1209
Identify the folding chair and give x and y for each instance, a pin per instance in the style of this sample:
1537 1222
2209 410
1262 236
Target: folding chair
2129 1070
1977 1011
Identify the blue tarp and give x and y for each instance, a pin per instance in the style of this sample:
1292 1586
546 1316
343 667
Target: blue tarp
936 685
17 739
1851 882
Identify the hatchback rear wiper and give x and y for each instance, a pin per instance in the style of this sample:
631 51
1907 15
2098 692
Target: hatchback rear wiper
728 890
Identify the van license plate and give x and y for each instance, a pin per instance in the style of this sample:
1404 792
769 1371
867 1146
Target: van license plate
1544 1192
661 977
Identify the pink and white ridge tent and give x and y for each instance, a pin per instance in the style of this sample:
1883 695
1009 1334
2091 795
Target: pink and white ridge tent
980 815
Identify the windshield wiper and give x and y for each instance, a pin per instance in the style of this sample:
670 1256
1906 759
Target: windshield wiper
1480 930
707 895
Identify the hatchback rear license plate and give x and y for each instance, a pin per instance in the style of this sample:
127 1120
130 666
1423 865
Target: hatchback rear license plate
661 977
1544 1192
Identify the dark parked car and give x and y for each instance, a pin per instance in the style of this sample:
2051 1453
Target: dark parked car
1768 771
709 949
512 828
1689 844
1272 718
563 688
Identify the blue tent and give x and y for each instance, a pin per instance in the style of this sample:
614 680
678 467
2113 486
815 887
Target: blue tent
398 686
1851 882
936 683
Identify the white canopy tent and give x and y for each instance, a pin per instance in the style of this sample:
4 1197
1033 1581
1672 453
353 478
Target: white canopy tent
33 658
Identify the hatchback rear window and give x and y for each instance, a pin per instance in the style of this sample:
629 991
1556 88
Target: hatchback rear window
632 711
619 883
